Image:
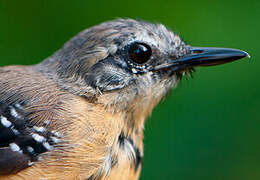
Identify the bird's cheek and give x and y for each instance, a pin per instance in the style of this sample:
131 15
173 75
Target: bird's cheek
164 84
108 80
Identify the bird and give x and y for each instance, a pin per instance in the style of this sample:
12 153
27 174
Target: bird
80 113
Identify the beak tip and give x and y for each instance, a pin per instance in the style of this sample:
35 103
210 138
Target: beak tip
247 55
244 54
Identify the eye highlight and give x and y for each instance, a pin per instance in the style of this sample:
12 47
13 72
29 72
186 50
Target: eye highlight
139 52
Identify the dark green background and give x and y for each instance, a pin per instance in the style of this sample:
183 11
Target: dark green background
209 127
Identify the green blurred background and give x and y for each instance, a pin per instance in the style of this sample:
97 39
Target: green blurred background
209 127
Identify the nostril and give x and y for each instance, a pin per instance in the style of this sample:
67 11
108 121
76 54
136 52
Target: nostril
197 51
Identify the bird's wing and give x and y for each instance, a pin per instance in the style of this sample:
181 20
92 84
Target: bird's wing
22 136
20 140
62 133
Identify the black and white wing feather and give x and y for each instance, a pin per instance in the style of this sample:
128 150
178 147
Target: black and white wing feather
21 142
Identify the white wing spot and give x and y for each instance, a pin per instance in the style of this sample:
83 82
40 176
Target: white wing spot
39 129
56 134
30 163
38 138
15 131
5 122
47 146
15 147
55 140
18 106
30 149
14 113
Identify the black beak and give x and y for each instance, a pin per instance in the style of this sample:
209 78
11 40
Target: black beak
199 56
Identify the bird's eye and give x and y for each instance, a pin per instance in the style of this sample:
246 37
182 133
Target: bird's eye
139 52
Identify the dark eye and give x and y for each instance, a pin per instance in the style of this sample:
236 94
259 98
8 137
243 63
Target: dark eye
139 52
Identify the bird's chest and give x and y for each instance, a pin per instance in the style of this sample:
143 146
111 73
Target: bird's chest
104 139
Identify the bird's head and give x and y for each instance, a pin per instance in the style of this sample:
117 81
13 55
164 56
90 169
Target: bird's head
127 61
